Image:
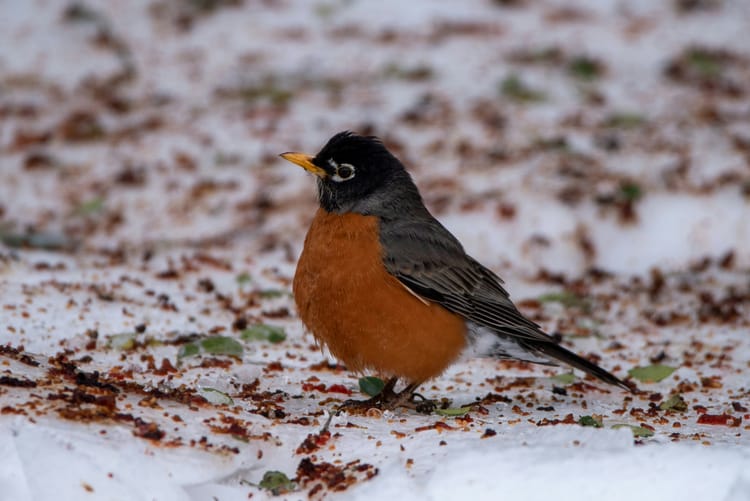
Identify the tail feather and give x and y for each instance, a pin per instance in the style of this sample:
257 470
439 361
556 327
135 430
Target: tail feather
562 354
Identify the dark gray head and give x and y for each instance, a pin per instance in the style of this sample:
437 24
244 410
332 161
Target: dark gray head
358 174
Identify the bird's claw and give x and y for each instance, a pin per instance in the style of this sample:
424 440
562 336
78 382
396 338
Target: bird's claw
391 401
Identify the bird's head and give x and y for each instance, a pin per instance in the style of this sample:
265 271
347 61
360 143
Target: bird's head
357 174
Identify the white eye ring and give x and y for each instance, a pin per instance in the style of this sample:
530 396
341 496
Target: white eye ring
347 169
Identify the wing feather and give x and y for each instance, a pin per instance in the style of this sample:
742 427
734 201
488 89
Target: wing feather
426 258
431 263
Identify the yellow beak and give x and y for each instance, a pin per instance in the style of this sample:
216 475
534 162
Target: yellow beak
304 161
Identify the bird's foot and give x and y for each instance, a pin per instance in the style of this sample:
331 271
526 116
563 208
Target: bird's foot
417 402
376 402
379 401
413 401
387 399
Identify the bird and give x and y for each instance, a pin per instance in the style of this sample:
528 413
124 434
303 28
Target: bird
387 288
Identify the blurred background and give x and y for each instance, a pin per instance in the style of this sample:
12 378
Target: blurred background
595 154
546 134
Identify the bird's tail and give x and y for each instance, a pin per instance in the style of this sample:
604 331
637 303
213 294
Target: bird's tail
554 350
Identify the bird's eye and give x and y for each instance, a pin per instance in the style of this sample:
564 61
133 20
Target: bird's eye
344 172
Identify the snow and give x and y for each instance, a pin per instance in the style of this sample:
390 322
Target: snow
552 468
155 214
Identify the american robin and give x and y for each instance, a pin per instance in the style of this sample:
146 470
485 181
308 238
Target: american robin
387 288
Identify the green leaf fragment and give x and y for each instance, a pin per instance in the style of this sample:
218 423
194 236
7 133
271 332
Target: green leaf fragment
78 12
215 345
631 191
277 336
46 241
268 89
215 396
188 350
594 421
704 62
651 373
638 431
276 482
263 332
565 298
625 120
568 378
454 411
674 403
585 68
272 293
243 279
122 342
90 207
371 385
514 88
552 143
222 345
416 73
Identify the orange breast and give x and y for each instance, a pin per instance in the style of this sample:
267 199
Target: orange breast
365 316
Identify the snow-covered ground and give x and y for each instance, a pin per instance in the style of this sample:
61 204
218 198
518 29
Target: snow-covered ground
595 154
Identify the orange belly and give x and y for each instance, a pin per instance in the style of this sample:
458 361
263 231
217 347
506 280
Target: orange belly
364 315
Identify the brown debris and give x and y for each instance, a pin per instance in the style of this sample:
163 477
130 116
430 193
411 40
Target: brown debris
317 475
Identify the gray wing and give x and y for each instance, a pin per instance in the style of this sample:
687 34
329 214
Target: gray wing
426 258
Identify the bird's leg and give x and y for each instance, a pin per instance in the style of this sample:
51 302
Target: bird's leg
421 404
378 401
387 399
401 398
411 400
